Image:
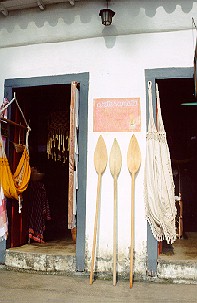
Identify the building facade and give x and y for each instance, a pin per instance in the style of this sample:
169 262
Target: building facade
65 43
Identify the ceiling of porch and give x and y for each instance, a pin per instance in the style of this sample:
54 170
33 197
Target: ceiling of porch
40 21
9 5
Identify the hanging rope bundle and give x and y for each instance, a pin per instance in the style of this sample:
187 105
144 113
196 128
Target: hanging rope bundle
57 145
15 184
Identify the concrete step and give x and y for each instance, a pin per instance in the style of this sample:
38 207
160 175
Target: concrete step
177 271
178 262
44 258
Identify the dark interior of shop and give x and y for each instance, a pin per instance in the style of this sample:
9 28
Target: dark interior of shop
38 103
180 122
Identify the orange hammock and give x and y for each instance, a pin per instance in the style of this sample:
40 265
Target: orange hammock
14 185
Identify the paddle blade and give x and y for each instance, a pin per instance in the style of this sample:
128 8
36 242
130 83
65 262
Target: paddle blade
115 159
133 156
100 156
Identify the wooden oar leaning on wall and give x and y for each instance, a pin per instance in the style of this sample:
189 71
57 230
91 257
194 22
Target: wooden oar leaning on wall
133 163
100 163
115 163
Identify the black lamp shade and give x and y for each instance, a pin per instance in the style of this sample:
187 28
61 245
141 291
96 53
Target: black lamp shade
106 16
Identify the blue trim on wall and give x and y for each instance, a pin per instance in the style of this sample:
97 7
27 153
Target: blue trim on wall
83 79
2 251
153 75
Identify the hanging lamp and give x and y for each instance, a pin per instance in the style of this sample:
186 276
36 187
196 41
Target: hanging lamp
192 101
189 104
106 15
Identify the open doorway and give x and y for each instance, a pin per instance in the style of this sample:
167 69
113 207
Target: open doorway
180 122
47 110
66 79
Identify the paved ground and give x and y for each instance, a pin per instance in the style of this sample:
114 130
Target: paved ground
26 287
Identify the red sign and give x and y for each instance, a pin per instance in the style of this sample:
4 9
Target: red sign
117 115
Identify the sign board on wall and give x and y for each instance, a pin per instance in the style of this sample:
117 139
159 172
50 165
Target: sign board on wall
117 115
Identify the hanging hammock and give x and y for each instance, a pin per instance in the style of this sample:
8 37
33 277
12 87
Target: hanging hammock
15 184
159 185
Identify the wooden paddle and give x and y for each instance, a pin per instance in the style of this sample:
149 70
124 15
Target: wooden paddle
133 163
115 163
100 163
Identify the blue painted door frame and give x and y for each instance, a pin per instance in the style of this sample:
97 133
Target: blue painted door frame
83 79
153 75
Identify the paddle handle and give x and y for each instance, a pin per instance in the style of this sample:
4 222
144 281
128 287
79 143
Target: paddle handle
115 231
95 228
132 228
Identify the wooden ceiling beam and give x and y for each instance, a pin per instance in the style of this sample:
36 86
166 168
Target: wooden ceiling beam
3 10
40 5
9 5
72 2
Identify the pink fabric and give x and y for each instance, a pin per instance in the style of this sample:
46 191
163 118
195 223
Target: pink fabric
3 217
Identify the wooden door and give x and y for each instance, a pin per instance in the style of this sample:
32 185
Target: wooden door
73 154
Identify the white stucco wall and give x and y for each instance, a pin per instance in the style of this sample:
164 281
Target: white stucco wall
116 65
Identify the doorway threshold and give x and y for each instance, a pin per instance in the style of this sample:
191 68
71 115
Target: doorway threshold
180 265
51 257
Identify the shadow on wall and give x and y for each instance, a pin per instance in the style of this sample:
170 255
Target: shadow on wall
109 34
169 6
86 12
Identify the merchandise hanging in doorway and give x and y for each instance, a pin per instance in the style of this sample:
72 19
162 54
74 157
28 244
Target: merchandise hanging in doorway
58 130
